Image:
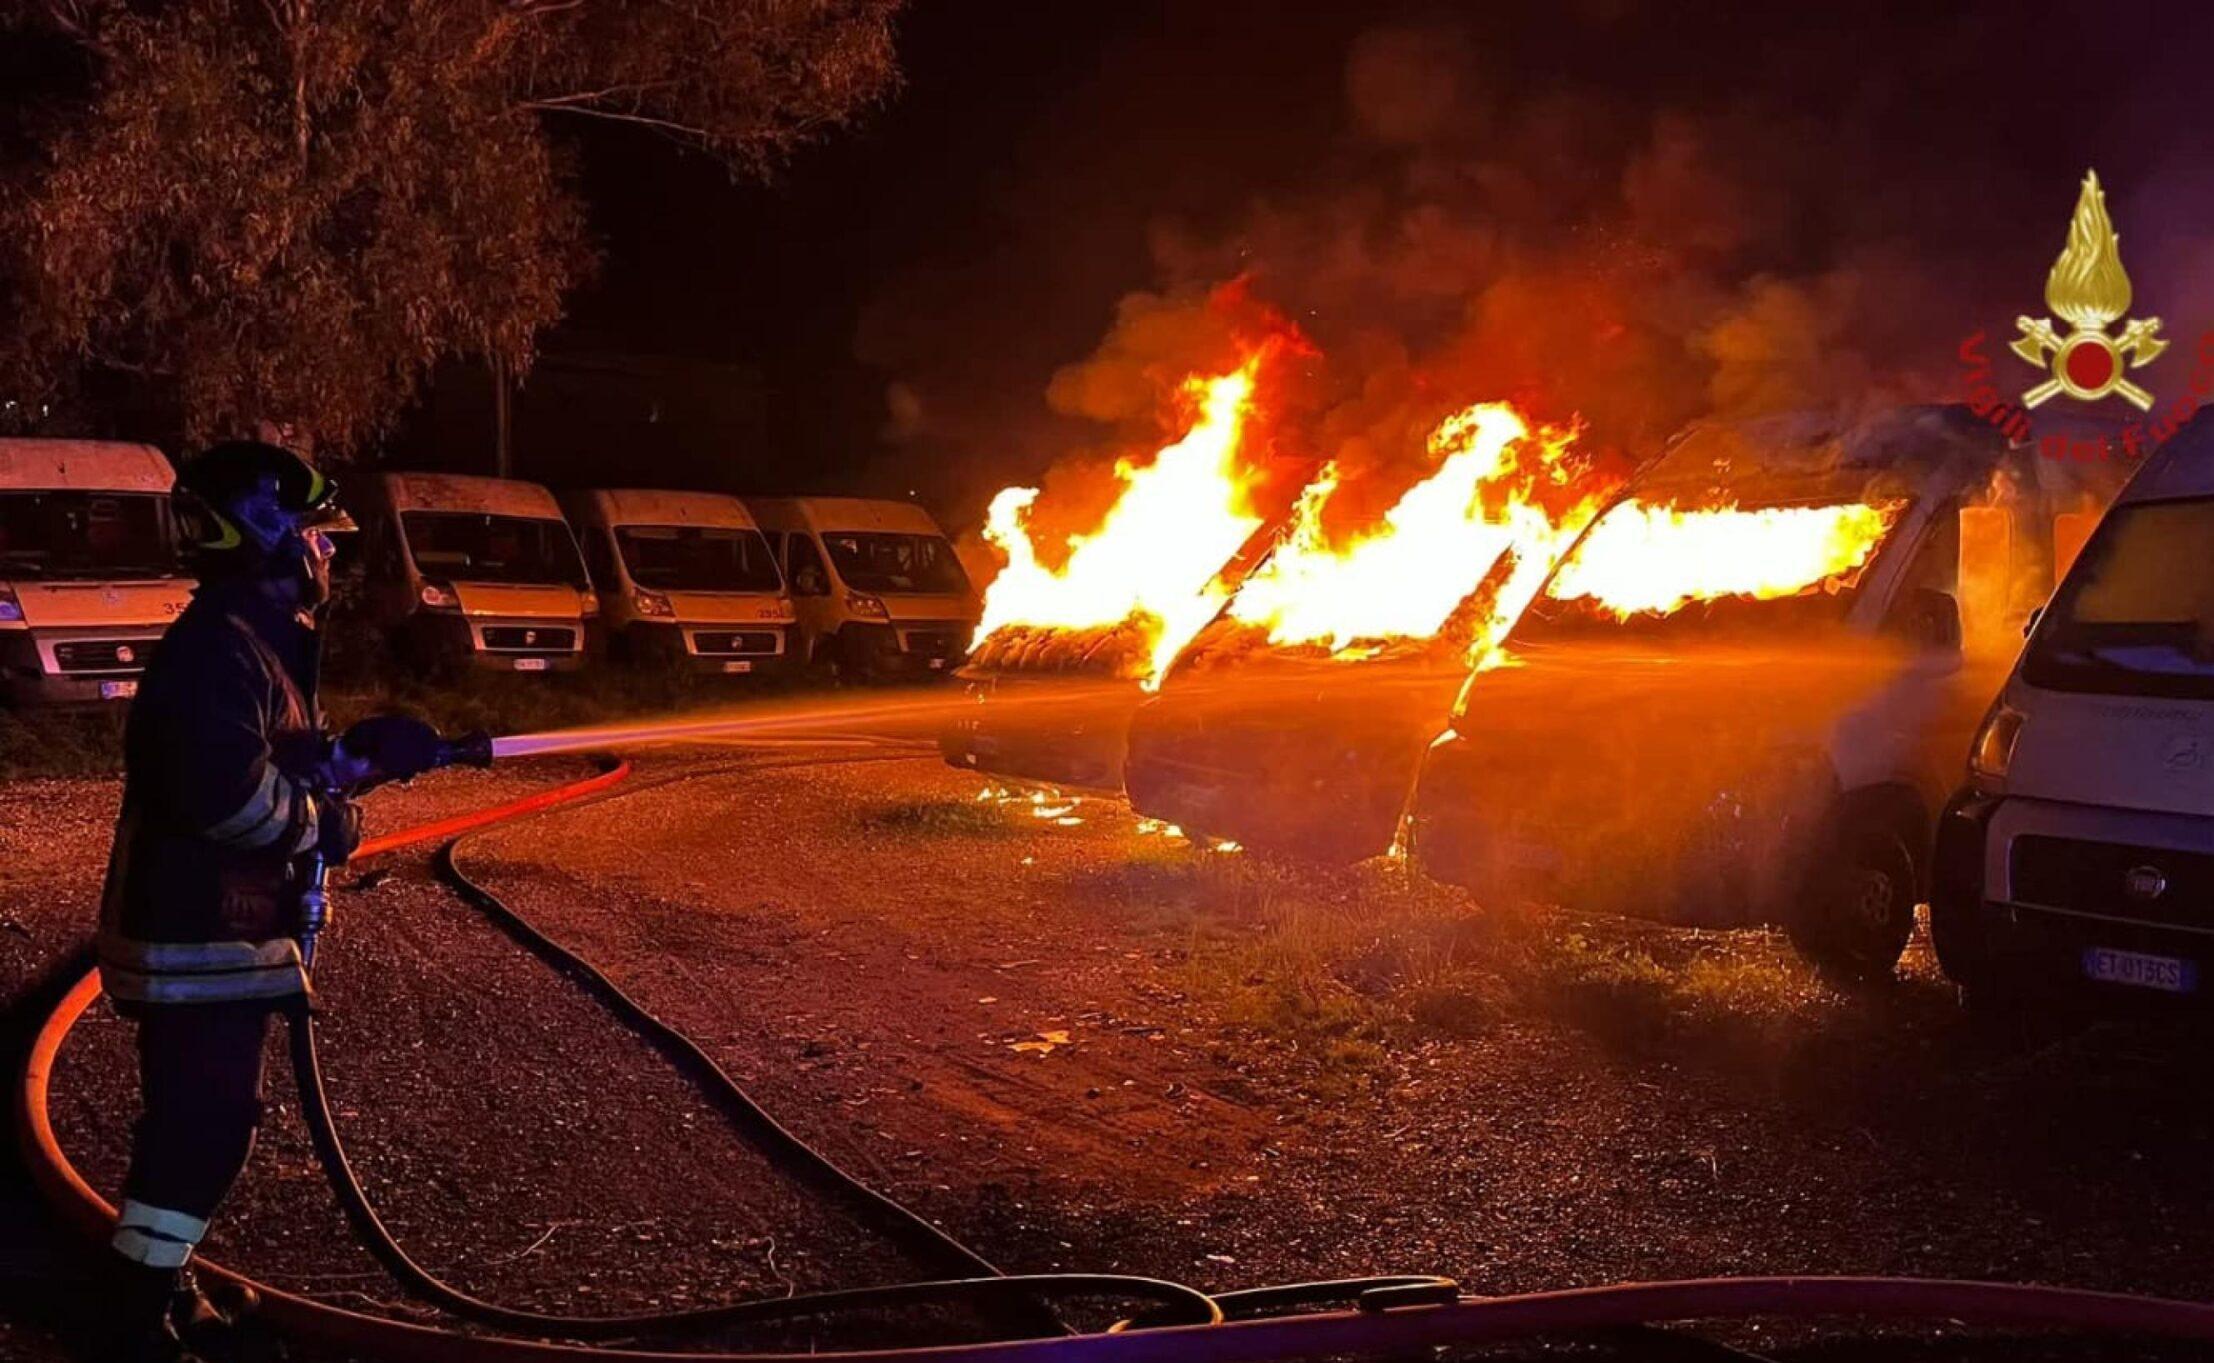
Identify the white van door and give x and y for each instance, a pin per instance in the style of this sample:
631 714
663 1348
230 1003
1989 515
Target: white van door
815 597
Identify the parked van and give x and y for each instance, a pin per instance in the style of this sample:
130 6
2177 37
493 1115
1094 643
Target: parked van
1746 760
89 570
685 579
476 572
879 592
2081 851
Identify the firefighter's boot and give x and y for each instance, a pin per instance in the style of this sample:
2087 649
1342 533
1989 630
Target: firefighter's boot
206 1321
139 1326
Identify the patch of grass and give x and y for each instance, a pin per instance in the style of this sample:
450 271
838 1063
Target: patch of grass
73 741
1379 956
942 819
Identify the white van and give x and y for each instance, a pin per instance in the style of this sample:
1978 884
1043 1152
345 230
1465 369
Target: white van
685 579
476 571
2081 852
1744 760
879 592
89 570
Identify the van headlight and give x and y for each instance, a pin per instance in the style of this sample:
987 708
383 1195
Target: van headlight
1993 751
651 603
866 606
438 596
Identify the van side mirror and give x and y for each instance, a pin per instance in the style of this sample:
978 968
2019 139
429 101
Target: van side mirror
2036 614
1929 620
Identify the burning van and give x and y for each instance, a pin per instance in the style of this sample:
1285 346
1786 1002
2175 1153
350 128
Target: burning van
89 570
1053 706
1743 693
1295 721
1070 643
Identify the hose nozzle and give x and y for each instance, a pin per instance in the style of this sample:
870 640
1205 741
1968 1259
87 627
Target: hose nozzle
469 750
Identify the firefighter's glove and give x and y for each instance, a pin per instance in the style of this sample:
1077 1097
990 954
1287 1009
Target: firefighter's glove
392 747
337 829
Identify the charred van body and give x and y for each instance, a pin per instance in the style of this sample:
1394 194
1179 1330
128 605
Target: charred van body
1760 756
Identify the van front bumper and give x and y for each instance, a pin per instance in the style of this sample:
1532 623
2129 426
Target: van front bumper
715 649
507 645
2027 892
902 649
72 666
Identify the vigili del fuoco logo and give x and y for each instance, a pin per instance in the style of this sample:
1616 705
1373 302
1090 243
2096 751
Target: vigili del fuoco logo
2089 291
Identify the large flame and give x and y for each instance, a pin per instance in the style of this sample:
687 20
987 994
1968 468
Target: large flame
1154 562
1408 576
1642 558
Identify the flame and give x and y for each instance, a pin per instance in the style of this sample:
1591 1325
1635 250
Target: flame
2088 286
1407 577
1051 806
1642 558
1154 561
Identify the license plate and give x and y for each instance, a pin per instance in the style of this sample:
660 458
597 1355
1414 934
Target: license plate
2141 970
530 664
738 665
118 690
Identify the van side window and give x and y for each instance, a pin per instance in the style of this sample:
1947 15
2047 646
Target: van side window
804 566
1926 607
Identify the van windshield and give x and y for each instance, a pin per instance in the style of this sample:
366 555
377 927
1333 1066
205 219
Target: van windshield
1729 619
2136 616
67 534
874 561
1726 572
468 546
698 558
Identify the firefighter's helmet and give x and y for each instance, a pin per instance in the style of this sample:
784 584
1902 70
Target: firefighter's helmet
250 502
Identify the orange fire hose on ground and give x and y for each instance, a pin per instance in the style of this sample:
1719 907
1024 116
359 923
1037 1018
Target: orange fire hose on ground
1393 1316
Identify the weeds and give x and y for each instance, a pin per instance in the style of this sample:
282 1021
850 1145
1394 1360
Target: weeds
1352 962
942 819
74 741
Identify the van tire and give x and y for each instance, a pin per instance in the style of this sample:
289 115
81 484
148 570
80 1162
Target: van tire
1855 910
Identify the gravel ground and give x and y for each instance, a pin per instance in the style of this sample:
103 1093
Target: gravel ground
1025 1030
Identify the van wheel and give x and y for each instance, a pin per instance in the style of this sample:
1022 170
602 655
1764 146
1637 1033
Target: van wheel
1856 908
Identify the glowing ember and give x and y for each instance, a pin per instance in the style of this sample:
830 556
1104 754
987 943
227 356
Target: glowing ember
1049 805
1153 562
1649 559
1407 577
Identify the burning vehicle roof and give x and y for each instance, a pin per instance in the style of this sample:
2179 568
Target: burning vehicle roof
1821 455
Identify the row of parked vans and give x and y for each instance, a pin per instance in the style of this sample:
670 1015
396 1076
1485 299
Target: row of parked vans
467 572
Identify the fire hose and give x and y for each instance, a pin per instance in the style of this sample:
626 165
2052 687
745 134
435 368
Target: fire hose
1185 1325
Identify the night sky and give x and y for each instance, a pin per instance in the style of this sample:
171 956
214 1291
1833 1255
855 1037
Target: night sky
1913 169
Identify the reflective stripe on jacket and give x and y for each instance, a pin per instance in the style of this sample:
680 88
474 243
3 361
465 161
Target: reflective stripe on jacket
204 880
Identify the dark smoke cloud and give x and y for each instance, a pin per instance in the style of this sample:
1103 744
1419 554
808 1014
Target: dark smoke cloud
1624 215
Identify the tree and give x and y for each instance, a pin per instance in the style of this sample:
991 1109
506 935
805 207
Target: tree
285 211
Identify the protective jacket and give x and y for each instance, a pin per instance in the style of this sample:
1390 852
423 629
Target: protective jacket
218 816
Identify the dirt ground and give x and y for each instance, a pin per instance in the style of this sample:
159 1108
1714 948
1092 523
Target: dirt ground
1074 1044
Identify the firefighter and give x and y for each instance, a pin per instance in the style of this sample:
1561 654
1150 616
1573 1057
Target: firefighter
231 791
